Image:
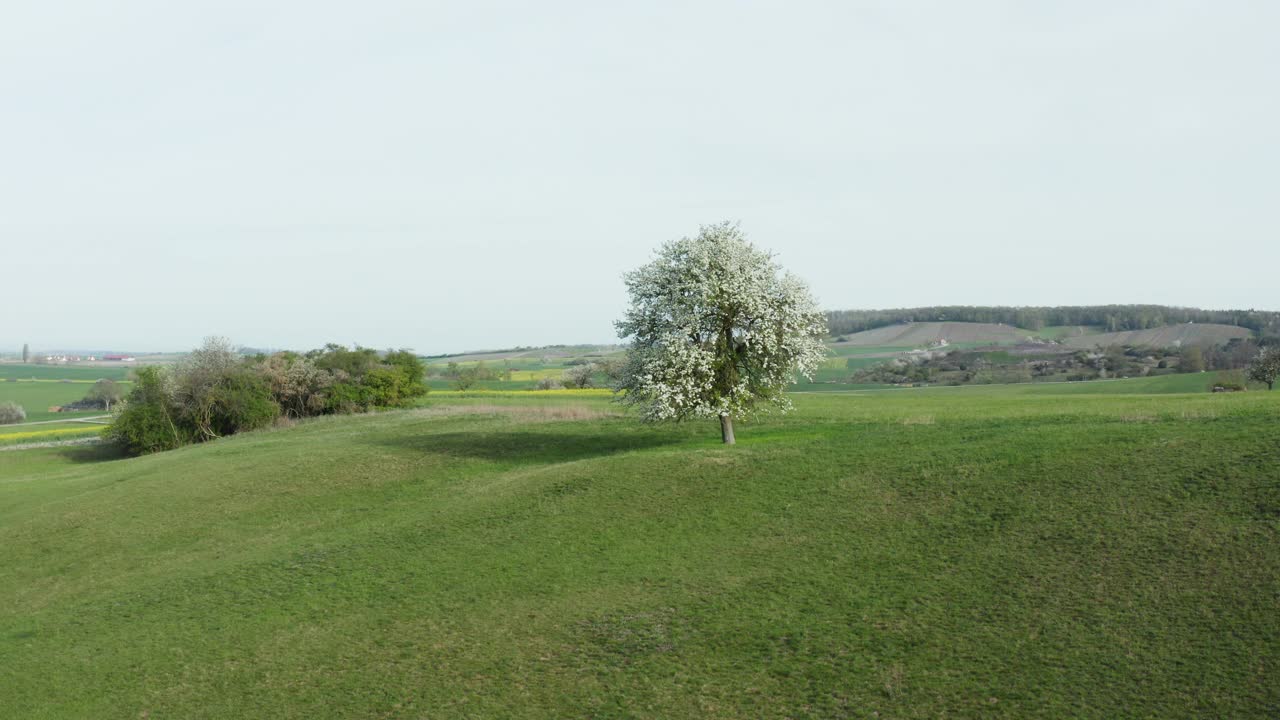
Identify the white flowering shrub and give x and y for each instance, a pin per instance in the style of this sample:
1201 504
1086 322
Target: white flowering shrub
11 412
1267 367
716 329
579 376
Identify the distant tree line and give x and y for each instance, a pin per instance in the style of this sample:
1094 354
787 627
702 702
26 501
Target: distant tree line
216 391
1112 318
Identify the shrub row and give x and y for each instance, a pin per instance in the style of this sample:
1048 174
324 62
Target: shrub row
215 392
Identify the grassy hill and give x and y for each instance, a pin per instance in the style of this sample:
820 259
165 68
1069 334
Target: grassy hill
550 354
922 334
912 335
1161 337
950 552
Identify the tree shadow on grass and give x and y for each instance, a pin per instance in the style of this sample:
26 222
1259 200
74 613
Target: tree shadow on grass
97 452
528 448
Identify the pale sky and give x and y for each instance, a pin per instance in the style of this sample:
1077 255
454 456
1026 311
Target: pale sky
453 176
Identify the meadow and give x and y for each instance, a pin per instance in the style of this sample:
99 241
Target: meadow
79 373
37 396
1026 551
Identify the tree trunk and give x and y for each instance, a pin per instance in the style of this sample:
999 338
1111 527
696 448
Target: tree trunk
726 429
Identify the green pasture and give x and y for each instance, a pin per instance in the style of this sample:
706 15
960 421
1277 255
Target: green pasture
830 382
61 372
1058 332
1160 384
1020 552
447 384
36 397
851 350
536 375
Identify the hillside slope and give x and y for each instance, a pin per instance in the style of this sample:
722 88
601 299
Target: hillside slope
554 352
926 333
1162 337
925 554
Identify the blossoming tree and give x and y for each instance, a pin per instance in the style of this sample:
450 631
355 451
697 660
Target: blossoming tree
1267 367
717 329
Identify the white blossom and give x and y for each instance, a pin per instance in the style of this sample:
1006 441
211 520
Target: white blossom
717 329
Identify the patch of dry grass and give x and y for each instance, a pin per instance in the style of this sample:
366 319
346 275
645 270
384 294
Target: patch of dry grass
526 413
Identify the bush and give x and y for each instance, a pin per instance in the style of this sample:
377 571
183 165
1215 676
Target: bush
149 419
297 385
335 358
362 381
240 400
213 392
550 384
208 395
466 378
11 412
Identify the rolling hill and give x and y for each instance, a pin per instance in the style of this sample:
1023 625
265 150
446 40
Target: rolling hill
928 333
1163 337
923 334
961 552
550 352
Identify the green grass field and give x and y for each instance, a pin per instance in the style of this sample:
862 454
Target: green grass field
61 372
37 397
855 350
1160 384
1025 551
1060 332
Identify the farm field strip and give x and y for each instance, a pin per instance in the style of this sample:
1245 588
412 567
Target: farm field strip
47 434
98 420
56 373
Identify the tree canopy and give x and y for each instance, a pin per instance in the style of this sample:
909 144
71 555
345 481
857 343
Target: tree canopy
105 393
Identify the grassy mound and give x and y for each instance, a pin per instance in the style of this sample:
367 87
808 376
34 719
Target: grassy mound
919 554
